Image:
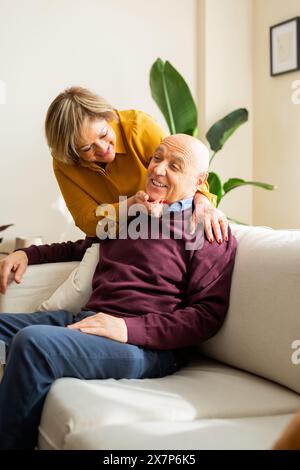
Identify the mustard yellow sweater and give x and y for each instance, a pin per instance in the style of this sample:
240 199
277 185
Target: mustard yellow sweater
87 185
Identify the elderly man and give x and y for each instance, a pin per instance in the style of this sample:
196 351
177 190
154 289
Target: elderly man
152 300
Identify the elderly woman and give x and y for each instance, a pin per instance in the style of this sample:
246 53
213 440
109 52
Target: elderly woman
100 153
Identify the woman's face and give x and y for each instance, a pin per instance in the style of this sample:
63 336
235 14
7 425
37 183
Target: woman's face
97 142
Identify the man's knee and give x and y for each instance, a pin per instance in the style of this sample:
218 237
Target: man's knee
30 336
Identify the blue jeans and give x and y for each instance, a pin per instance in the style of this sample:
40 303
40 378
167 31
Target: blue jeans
40 350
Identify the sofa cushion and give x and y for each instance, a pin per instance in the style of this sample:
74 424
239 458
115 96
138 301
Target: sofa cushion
203 390
259 433
38 283
263 319
76 290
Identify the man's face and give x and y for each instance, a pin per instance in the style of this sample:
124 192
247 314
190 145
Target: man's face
172 173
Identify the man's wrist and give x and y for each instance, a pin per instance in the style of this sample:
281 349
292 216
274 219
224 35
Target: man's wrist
32 254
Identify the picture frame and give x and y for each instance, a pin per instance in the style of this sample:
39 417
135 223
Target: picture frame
285 47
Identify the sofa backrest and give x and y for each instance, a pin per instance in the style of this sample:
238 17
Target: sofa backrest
261 333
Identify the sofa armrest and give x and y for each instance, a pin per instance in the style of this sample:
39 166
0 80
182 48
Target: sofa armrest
38 283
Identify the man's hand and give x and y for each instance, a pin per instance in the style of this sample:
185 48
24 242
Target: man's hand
17 263
102 324
214 221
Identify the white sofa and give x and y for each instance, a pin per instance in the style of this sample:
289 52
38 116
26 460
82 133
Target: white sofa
239 391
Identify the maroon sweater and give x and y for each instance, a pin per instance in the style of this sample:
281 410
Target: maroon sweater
168 296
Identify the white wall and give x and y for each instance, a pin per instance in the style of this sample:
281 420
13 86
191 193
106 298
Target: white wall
225 83
234 71
276 124
47 45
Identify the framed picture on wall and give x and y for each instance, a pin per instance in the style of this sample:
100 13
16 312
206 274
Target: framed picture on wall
285 46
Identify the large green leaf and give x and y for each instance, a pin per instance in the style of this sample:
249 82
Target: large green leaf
233 183
215 185
223 129
173 97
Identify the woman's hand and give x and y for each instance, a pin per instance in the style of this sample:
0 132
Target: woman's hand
214 221
142 198
102 324
17 263
155 208
139 198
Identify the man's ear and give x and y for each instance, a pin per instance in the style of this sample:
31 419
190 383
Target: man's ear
202 177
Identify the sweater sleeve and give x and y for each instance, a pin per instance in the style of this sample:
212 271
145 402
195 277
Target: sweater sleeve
81 205
58 252
145 136
204 189
207 303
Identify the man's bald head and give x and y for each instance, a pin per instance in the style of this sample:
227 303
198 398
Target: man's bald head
179 165
190 148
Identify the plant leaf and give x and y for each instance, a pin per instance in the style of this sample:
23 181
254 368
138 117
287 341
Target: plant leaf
4 227
173 97
233 183
223 129
215 185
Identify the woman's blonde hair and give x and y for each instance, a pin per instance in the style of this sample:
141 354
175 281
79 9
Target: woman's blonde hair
66 116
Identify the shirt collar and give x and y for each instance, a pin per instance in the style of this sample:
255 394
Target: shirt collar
181 205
